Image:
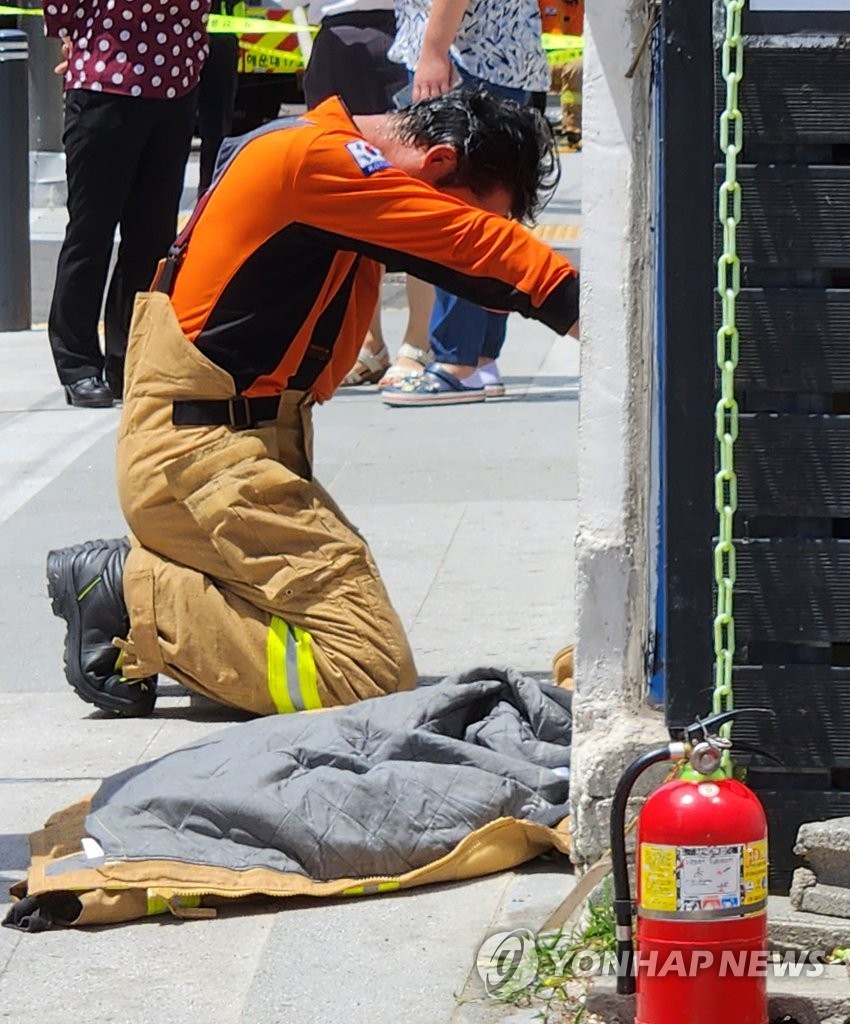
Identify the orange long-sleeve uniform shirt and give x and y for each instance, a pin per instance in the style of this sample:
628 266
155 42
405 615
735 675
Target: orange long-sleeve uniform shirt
281 271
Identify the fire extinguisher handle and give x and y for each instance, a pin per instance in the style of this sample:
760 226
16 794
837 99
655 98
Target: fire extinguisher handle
749 748
704 728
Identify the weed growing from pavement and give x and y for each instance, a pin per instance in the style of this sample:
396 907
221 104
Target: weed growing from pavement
556 989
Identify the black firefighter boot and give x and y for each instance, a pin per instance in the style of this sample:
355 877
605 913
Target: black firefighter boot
85 584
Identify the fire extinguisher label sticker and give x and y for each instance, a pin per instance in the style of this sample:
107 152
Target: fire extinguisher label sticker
658 877
755 872
689 879
709 877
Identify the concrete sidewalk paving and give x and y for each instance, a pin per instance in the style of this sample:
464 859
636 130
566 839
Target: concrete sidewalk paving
470 511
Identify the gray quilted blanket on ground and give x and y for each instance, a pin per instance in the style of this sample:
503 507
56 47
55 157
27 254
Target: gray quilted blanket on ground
378 788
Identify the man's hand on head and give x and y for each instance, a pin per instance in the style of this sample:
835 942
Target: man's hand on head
434 75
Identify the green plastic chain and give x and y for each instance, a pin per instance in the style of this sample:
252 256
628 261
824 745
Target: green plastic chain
726 410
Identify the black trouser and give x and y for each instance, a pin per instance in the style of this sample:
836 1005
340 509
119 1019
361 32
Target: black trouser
216 94
349 59
125 160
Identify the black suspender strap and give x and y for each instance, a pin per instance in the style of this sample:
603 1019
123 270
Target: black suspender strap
167 272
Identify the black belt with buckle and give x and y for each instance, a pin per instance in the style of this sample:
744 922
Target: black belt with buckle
237 413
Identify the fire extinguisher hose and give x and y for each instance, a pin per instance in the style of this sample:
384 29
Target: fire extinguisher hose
619 861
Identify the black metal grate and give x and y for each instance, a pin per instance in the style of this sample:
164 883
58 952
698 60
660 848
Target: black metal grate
794 465
797 216
795 96
794 339
792 604
793 590
810 705
792 595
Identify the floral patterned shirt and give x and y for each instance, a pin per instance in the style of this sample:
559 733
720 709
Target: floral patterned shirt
497 41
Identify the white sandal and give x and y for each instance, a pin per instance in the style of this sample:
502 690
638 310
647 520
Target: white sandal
369 368
395 373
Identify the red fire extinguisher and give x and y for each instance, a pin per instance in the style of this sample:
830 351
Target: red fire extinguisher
701 945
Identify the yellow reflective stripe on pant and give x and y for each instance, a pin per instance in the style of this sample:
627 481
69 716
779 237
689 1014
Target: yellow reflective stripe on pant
158 904
291 668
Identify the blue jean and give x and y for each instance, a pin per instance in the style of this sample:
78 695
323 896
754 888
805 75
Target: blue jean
461 332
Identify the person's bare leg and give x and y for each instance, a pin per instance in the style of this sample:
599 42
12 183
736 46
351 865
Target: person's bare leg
374 340
420 299
374 358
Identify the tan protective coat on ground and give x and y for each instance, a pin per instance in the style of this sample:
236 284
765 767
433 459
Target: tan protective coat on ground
128 890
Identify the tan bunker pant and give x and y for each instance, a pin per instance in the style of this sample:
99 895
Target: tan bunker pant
567 80
245 581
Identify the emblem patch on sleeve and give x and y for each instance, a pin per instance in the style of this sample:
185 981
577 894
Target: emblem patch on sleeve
367 157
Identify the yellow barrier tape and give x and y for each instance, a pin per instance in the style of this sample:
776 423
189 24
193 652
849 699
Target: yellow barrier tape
264 58
255 26
215 23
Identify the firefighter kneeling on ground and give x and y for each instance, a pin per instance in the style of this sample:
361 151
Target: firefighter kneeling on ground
566 18
242 578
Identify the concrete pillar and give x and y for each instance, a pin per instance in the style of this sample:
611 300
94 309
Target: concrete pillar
612 721
15 295
46 102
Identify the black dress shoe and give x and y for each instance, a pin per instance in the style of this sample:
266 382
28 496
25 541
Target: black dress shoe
85 584
89 393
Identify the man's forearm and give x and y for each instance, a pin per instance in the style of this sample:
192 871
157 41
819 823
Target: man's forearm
435 73
443 22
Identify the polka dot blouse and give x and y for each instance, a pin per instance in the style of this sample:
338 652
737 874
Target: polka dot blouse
149 48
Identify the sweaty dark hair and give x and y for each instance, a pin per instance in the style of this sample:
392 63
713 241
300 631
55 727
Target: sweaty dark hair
497 141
